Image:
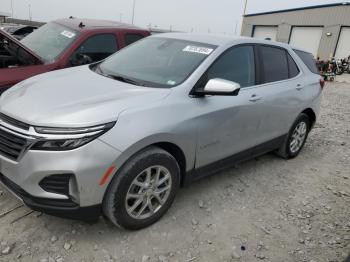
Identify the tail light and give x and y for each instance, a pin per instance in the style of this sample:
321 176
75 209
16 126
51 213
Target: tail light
322 83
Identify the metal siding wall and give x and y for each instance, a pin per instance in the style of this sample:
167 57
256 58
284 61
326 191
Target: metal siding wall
331 18
248 30
328 44
283 33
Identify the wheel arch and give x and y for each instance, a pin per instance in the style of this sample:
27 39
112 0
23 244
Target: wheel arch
311 114
177 151
178 154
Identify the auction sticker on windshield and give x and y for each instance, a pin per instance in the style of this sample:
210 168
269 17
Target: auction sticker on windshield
68 34
198 49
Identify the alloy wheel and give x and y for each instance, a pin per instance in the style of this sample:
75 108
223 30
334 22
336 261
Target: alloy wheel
298 137
148 192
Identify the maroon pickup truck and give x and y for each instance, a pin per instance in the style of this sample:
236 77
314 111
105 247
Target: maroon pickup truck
60 44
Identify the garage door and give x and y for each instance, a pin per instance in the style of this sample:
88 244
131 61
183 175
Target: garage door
343 48
263 32
306 38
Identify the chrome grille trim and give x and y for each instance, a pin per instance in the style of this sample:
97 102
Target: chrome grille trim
14 122
14 141
31 136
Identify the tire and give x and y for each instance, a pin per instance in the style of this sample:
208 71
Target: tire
127 181
286 150
339 71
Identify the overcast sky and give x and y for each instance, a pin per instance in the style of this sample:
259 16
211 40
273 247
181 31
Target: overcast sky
216 16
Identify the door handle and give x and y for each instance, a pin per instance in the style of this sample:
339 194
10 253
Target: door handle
299 87
255 98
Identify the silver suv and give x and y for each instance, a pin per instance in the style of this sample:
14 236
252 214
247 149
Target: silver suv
120 136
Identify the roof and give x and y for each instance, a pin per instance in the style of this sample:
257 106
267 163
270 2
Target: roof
90 24
211 39
4 14
217 40
300 9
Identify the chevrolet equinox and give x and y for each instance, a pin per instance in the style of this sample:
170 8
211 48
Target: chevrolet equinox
120 136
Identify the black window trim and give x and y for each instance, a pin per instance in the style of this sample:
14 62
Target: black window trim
289 55
199 83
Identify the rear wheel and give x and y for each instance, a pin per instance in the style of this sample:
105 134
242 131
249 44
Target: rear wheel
143 190
296 137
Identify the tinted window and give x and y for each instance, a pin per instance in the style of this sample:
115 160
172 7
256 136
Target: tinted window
293 68
308 60
98 47
275 64
235 65
132 38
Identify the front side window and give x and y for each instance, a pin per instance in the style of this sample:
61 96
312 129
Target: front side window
50 40
157 62
275 64
236 65
96 48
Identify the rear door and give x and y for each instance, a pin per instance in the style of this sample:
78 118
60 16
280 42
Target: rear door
281 90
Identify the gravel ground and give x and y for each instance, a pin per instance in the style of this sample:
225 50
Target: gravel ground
266 209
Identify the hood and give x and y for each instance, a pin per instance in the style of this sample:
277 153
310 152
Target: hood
75 97
27 52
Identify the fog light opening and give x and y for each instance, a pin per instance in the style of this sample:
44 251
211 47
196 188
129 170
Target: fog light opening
74 190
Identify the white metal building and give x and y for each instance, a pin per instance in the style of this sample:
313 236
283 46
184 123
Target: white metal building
323 30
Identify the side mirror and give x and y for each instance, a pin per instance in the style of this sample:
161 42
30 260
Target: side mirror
221 87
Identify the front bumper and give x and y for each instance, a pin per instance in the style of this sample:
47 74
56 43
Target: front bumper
58 207
86 164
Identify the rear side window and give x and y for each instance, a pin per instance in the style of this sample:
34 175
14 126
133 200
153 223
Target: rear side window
237 65
293 68
308 60
275 64
132 38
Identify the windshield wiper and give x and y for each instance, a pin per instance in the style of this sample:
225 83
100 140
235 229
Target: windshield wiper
125 80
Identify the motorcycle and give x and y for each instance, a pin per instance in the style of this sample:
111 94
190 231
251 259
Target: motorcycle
346 66
338 67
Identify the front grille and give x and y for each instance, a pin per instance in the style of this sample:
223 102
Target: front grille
14 122
58 184
11 145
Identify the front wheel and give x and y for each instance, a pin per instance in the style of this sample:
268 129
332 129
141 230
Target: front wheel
296 137
143 190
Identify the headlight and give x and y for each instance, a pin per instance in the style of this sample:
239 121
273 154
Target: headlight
60 139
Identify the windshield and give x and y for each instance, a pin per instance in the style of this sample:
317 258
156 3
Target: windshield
156 62
50 40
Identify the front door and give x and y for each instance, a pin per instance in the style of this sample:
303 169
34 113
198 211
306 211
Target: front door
228 124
